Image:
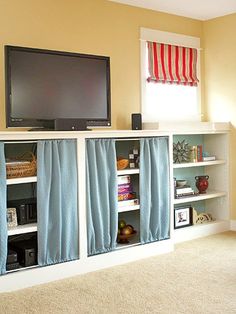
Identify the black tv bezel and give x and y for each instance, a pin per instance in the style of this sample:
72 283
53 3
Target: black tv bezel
14 122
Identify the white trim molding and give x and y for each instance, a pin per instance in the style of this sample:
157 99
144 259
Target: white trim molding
169 38
233 225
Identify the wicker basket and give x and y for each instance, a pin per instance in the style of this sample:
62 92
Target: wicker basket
22 166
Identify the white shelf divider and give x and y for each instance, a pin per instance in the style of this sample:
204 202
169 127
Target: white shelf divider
123 209
200 197
21 180
199 164
21 229
127 171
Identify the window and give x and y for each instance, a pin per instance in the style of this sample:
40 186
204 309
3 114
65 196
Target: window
168 102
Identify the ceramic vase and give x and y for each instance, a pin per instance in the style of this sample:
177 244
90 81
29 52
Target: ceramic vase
202 183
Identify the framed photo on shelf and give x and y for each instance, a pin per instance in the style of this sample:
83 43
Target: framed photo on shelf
11 217
182 216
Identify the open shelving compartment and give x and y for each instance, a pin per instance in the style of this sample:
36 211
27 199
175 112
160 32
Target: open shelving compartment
216 199
20 189
130 213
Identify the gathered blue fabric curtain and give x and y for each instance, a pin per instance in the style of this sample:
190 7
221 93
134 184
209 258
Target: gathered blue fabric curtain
57 201
3 213
154 189
102 191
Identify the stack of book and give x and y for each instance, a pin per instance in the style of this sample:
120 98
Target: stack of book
126 195
183 191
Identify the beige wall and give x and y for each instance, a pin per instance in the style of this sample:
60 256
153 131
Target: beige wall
220 81
89 26
107 28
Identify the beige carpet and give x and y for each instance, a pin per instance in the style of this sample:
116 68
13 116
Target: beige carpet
198 277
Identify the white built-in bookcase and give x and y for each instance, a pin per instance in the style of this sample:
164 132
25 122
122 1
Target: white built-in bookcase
215 201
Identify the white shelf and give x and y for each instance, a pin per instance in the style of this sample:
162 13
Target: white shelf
127 171
200 197
200 230
199 164
22 268
128 208
21 180
21 229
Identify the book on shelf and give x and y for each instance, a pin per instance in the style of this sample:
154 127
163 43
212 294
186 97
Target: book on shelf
199 152
123 179
125 188
132 202
183 195
183 190
126 196
208 158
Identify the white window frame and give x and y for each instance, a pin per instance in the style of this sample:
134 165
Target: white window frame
147 34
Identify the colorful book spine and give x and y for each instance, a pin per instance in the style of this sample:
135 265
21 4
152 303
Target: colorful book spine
126 196
199 152
193 154
125 188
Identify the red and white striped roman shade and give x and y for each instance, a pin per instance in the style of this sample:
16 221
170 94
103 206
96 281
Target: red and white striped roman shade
172 64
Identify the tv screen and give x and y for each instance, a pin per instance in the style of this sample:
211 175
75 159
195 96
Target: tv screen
43 86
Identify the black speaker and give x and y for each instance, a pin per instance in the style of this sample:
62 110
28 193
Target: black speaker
26 251
70 125
136 121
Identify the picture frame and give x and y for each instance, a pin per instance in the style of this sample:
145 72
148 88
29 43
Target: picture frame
11 218
182 216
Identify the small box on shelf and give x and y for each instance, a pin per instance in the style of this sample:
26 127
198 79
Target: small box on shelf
208 157
134 158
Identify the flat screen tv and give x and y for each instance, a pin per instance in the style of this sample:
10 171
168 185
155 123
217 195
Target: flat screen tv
44 86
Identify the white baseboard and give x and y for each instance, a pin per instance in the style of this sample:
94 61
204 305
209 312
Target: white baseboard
37 275
233 225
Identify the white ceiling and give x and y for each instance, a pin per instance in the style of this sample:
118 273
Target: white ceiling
196 9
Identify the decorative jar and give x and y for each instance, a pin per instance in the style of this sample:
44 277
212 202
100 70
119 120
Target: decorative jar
202 183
